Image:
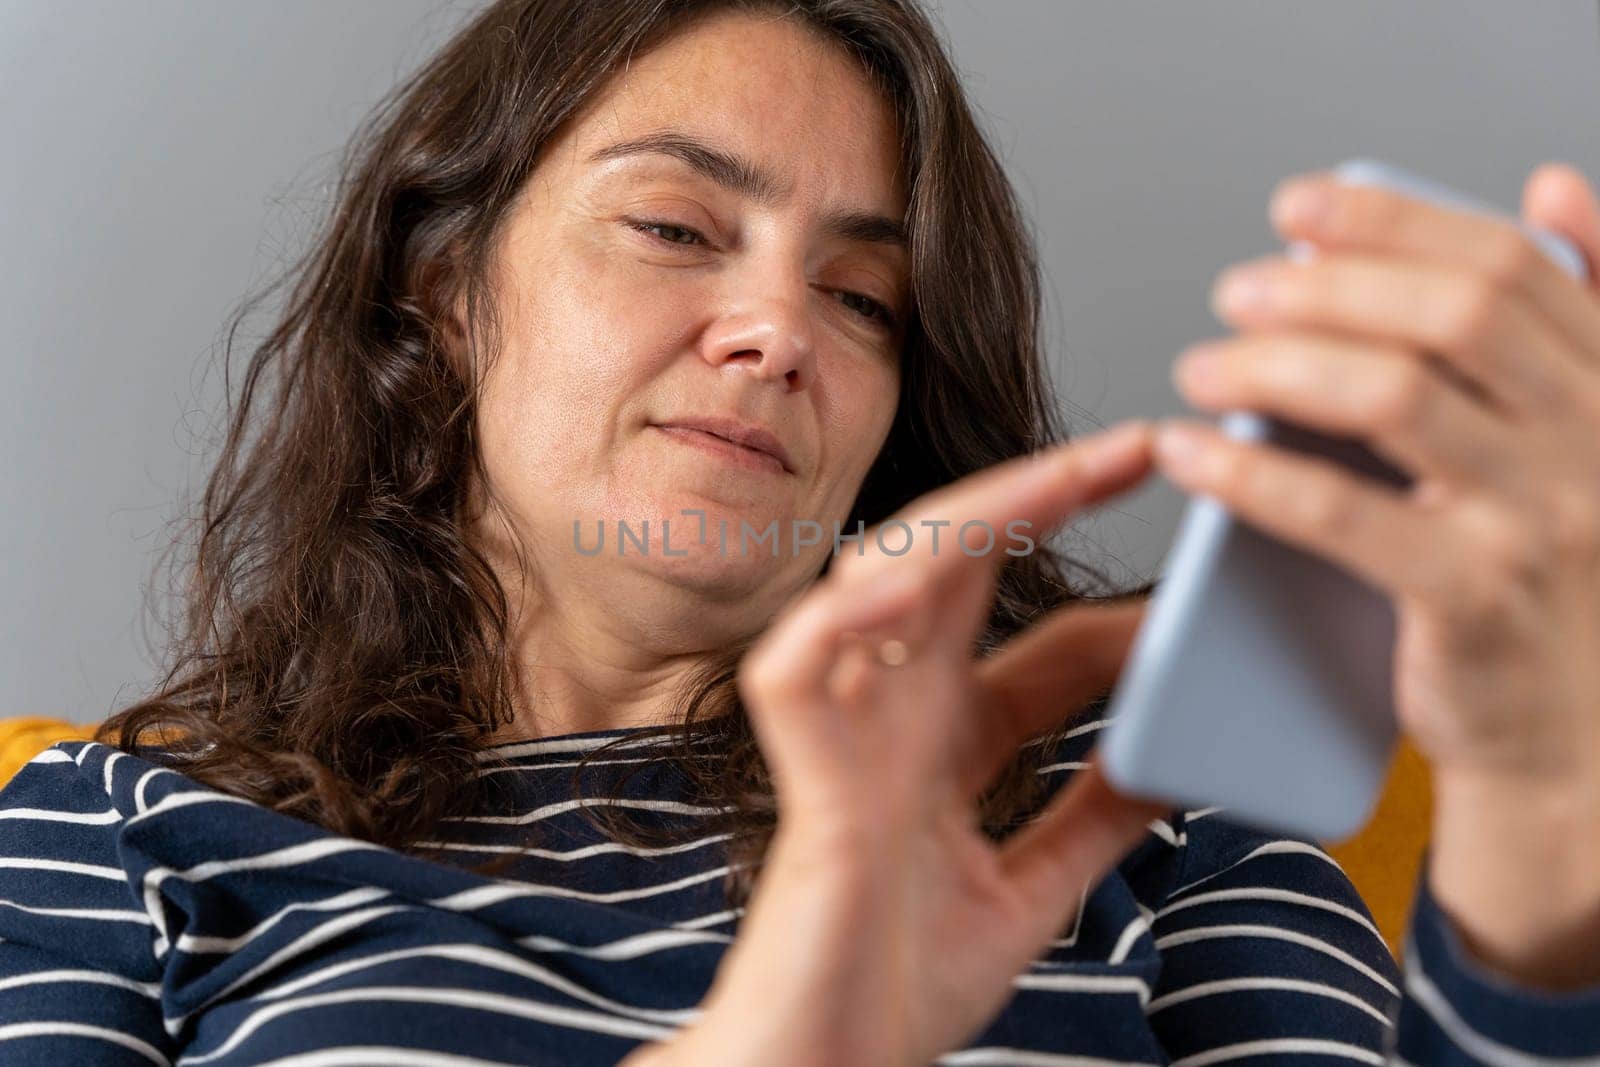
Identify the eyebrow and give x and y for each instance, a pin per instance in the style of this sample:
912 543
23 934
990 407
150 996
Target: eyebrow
749 180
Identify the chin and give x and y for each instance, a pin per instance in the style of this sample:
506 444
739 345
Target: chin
708 563
703 517
694 513
731 578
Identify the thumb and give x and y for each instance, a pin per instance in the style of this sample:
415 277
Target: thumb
1084 831
1557 197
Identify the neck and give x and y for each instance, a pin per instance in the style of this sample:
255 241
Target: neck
598 645
600 659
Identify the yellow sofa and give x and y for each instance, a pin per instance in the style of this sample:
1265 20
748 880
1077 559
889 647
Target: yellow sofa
21 739
1383 860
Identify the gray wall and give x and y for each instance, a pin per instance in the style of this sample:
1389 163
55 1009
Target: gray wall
160 158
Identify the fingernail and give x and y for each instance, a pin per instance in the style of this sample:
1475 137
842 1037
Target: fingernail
1301 203
1198 364
1240 288
1120 436
1110 446
1182 448
1092 450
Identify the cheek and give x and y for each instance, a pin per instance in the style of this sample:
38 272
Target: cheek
583 338
859 408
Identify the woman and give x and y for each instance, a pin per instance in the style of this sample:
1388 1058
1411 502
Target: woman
746 266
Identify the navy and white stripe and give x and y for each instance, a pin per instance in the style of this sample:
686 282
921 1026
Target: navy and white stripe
148 919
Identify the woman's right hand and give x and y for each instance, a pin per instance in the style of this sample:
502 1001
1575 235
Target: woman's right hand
885 927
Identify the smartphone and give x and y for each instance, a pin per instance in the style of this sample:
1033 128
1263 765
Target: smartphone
1261 680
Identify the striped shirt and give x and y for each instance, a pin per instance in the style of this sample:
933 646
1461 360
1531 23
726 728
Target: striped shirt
146 918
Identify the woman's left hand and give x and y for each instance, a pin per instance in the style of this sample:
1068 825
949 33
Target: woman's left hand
1454 348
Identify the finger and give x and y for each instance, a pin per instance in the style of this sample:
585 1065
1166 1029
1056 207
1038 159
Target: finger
792 656
784 679
1493 338
1392 398
1043 676
1373 218
1023 497
998 506
954 609
1380 534
1557 197
1081 834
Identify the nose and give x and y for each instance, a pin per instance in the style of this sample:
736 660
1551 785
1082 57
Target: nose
769 331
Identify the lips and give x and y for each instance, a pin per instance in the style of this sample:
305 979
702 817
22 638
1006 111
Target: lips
748 435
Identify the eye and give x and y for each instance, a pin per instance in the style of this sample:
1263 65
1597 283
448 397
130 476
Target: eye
673 234
666 232
868 308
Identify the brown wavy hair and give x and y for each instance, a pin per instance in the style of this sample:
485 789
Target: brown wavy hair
341 650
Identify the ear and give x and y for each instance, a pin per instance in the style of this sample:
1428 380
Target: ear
451 320
452 330
1557 197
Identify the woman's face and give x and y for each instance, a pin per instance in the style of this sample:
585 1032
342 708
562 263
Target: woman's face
716 236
